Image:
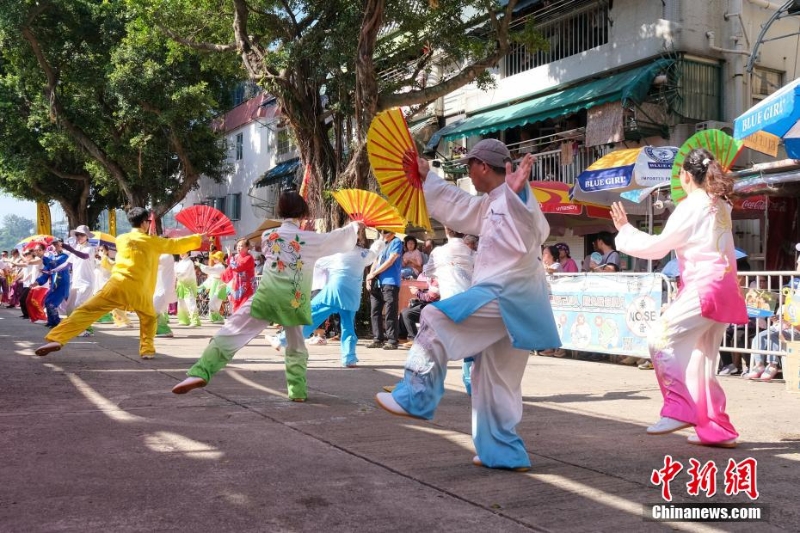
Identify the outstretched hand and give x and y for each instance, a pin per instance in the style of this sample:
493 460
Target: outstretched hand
424 166
618 215
518 179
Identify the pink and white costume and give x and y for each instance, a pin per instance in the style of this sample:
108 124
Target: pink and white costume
685 345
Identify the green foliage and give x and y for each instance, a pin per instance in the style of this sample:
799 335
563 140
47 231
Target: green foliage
145 105
14 229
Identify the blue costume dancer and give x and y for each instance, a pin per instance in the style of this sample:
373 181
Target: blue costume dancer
55 269
504 314
342 295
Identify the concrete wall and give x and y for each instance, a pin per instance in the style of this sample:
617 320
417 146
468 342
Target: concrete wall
258 156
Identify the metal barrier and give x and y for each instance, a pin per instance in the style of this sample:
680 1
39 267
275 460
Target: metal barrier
762 288
775 284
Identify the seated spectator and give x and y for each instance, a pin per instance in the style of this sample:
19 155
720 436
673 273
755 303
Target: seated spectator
412 259
409 317
772 338
549 255
567 263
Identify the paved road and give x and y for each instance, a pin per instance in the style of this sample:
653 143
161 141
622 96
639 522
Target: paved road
92 440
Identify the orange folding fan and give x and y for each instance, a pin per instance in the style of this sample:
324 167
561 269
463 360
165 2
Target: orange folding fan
371 209
206 219
393 157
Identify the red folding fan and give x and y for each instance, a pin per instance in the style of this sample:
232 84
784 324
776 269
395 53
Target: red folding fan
206 219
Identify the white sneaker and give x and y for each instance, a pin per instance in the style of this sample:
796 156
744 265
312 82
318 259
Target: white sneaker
317 341
274 341
85 334
667 425
727 370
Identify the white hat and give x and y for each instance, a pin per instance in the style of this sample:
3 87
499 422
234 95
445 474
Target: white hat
82 229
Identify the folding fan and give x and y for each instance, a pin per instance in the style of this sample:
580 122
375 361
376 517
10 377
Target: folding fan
724 148
206 219
371 209
393 157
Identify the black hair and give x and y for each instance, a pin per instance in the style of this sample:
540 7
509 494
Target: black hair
708 174
137 216
553 252
292 205
606 237
409 238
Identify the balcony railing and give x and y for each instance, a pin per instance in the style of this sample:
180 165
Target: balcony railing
579 26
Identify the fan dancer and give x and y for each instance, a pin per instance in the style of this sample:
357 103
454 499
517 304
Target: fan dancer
502 316
217 290
451 265
131 285
103 273
282 297
241 274
342 294
82 281
186 288
55 269
684 346
165 294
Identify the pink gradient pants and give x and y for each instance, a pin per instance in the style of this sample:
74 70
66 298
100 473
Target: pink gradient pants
684 348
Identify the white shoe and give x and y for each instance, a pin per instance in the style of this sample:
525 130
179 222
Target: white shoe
667 425
387 402
317 341
694 439
727 370
273 341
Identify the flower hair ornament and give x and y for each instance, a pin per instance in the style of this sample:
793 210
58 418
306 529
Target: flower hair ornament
706 162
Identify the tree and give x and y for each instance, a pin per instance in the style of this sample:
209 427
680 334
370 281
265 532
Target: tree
136 112
331 80
15 228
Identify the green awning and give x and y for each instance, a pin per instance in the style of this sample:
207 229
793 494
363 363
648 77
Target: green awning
278 172
629 85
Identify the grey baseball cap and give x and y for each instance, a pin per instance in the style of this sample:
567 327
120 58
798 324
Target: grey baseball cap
490 151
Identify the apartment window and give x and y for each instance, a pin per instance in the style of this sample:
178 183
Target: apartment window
233 206
568 29
219 203
764 82
285 142
239 146
699 87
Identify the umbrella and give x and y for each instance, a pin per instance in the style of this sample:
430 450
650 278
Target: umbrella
554 197
605 180
29 242
778 114
104 238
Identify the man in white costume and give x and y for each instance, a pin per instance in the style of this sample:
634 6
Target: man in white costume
502 316
452 265
83 275
186 287
217 290
164 294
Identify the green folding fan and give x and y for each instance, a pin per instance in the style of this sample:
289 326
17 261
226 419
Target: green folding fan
724 147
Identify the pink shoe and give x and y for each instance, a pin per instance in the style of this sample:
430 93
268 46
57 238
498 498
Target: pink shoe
754 373
769 373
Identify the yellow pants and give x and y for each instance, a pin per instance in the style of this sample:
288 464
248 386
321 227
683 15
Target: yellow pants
101 303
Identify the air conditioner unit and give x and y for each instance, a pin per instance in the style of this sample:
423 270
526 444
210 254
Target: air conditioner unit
727 127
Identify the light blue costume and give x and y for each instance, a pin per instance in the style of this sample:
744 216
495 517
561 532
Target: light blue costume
341 294
504 314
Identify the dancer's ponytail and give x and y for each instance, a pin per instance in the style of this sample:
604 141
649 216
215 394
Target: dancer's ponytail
707 173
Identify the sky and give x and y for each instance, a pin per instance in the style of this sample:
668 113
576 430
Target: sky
10 205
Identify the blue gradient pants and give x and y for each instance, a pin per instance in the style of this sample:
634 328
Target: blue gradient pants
320 312
496 379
